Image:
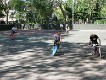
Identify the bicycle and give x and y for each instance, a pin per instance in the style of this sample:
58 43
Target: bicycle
96 50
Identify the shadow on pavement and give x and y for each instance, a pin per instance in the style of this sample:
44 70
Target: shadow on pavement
30 58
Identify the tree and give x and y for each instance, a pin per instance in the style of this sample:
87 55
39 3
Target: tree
37 9
1 9
40 11
86 10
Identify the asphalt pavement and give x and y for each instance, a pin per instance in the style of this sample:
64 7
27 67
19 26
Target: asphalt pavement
29 56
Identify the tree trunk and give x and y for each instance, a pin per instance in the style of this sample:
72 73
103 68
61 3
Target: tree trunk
6 17
63 12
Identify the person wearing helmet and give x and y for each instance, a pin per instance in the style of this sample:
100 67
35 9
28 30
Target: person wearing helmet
94 39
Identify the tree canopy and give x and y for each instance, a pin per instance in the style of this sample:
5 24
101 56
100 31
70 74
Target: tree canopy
41 11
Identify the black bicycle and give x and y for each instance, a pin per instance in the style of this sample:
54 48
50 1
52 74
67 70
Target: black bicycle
96 50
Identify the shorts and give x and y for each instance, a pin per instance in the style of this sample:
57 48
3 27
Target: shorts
56 43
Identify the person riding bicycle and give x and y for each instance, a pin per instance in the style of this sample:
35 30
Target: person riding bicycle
94 41
57 39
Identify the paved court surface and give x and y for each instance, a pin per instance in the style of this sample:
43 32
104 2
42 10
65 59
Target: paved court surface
29 56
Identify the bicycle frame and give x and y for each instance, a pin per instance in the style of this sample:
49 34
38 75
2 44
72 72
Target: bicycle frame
96 49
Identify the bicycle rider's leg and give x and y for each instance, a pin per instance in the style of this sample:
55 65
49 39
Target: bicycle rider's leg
58 45
66 32
96 50
12 35
55 43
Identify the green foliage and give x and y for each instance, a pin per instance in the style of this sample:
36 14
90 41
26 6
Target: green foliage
1 15
102 21
18 5
86 9
1 9
69 12
32 11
